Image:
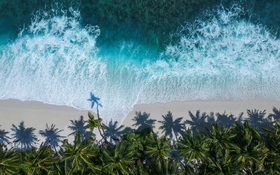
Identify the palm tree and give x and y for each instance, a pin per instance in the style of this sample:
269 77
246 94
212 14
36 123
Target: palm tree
251 150
158 149
219 139
118 159
272 161
39 161
9 161
96 123
52 136
78 155
169 126
193 149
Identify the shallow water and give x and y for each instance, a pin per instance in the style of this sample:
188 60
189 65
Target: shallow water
60 57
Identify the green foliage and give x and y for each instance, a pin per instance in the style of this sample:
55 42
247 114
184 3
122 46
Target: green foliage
118 159
39 161
158 149
9 161
76 156
236 149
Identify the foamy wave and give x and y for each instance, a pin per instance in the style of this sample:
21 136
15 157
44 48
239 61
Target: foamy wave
220 56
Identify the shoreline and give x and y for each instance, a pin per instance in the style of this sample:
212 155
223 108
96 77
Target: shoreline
37 114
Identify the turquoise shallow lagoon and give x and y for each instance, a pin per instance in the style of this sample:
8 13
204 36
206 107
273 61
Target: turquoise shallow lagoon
122 53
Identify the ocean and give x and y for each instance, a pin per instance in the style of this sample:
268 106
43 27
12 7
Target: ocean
113 54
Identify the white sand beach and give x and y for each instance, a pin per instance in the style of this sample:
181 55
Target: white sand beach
37 114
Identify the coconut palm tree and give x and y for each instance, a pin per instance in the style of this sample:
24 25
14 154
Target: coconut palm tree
39 161
9 161
96 123
118 159
158 149
77 156
251 151
272 161
219 139
193 149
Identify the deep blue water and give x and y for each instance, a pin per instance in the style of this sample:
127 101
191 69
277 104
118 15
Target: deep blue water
58 56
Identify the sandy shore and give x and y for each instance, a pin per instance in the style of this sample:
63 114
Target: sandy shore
37 114
181 109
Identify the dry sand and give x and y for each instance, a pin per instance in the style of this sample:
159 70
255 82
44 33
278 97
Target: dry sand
37 114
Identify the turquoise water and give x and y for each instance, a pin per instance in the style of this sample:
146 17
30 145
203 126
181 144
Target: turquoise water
56 58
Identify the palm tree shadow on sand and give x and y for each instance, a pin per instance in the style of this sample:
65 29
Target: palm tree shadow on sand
142 121
171 127
113 132
199 121
4 139
52 137
80 126
257 119
24 138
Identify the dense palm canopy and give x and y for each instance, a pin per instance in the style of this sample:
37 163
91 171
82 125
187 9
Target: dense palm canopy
237 148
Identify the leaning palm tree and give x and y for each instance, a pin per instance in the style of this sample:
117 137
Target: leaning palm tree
9 161
77 156
158 149
95 123
118 159
39 161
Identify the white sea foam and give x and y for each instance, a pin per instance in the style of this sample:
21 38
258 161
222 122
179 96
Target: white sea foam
56 60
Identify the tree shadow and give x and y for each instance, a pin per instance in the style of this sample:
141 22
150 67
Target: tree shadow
23 137
200 121
171 127
228 119
113 131
142 121
80 126
257 119
4 139
275 115
52 136
94 100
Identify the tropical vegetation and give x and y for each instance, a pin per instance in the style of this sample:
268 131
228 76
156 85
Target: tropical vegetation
239 148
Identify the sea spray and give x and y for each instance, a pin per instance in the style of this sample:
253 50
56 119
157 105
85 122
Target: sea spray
59 61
